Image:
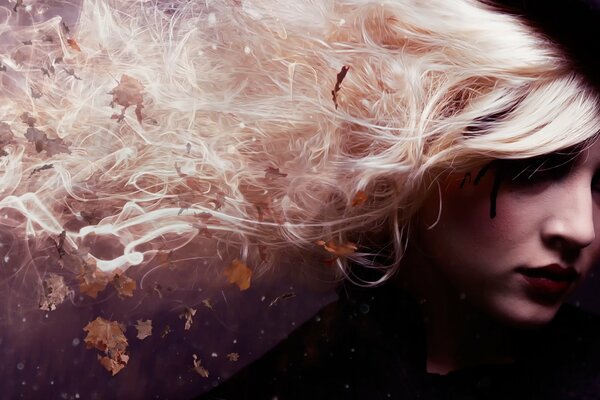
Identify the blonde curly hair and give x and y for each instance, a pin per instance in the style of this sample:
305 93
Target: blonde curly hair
268 131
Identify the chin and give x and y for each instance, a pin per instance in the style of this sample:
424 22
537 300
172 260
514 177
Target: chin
526 314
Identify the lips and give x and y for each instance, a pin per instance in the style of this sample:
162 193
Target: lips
549 283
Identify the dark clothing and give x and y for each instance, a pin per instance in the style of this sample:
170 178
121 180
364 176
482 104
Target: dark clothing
370 344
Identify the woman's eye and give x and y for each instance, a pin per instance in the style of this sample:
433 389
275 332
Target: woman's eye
546 168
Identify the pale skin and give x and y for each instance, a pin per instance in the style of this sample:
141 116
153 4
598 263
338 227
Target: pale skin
463 269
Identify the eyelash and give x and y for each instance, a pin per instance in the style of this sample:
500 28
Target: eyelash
531 171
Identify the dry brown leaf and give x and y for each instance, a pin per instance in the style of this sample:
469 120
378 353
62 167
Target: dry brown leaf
108 337
238 272
144 328
43 143
55 291
339 250
124 284
129 93
359 198
233 356
273 173
164 258
115 363
188 314
207 303
73 44
200 370
338 84
42 168
92 280
166 330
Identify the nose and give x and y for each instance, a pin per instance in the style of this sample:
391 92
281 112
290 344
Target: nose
570 225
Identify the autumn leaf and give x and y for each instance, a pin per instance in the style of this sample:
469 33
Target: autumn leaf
188 314
166 330
73 44
339 250
115 363
42 168
144 328
124 285
340 77
233 356
207 303
129 93
164 258
27 119
7 137
108 337
60 244
359 198
105 335
238 272
35 93
200 370
92 280
273 173
42 142
18 4
54 292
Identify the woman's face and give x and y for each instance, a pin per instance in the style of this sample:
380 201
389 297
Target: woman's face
519 265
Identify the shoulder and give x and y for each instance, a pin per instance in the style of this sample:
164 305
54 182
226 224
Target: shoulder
349 349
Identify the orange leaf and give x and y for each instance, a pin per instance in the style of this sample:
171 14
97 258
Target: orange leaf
124 285
73 44
359 198
338 250
107 336
92 280
239 273
114 364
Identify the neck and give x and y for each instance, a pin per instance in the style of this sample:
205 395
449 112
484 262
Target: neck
458 335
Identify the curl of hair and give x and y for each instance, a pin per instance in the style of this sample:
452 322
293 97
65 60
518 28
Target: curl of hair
239 148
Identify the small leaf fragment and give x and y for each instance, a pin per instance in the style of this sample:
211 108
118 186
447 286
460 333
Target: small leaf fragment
359 199
338 250
238 272
144 328
166 330
340 77
123 284
188 314
273 173
207 303
200 370
108 337
73 44
233 357
54 292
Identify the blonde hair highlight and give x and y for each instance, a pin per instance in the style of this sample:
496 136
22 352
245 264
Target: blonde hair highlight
238 121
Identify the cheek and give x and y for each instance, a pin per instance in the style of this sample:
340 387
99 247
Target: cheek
466 231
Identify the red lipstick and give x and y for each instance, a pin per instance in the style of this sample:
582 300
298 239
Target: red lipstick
549 283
